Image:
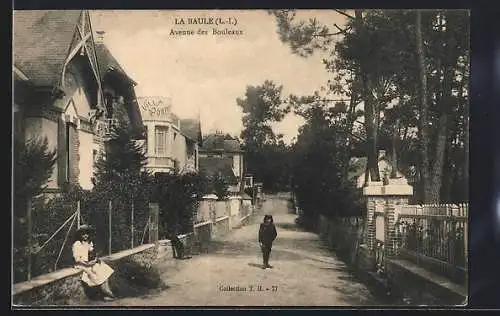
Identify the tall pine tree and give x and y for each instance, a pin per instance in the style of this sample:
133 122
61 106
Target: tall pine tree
120 178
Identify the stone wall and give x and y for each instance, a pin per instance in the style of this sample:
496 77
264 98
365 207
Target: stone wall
245 220
221 226
356 244
165 247
221 209
234 211
202 236
63 287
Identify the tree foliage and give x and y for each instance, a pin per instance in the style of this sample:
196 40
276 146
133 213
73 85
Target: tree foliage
374 59
33 167
265 152
318 170
119 179
178 195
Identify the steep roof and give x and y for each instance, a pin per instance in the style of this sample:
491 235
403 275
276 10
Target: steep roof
357 166
107 62
217 142
41 43
191 128
212 166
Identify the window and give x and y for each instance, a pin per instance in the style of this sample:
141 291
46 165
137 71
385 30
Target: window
161 133
68 151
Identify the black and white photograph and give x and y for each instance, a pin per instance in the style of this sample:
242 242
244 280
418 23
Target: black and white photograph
248 158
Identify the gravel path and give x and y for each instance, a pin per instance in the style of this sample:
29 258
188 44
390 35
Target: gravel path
305 273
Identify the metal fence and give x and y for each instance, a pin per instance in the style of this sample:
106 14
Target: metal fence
51 240
434 235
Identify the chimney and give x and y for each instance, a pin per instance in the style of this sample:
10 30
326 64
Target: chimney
381 153
100 37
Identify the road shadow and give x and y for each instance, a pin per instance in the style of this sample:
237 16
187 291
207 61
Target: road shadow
255 265
288 226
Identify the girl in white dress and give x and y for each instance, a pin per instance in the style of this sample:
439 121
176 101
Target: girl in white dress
95 272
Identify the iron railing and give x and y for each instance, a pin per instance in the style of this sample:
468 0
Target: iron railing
379 251
435 236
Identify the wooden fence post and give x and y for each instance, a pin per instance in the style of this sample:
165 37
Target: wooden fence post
30 224
78 223
132 224
465 212
153 225
109 226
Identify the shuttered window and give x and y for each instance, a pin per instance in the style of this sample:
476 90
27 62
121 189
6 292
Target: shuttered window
61 152
161 140
68 154
66 135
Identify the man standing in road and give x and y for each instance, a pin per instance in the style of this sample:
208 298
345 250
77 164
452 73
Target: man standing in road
267 234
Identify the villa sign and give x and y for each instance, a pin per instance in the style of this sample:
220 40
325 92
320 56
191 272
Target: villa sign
155 108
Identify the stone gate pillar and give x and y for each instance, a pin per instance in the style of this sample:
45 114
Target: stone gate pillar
374 202
396 192
211 199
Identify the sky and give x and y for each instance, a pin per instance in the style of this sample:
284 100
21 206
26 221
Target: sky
204 74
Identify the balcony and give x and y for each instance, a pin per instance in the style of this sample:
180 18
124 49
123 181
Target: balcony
103 128
160 163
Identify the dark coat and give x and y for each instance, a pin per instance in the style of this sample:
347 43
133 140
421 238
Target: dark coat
267 234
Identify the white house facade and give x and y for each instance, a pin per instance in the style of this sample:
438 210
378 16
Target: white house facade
171 143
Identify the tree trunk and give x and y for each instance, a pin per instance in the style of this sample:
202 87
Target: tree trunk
395 136
371 122
423 129
449 172
351 118
446 101
466 155
466 146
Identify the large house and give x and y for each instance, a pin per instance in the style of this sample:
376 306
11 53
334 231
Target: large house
172 143
358 169
67 89
222 155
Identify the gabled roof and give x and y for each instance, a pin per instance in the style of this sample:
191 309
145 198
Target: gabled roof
191 128
217 142
107 62
41 43
357 166
212 166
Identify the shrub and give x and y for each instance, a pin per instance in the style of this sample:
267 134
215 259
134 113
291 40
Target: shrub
178 196
215 184
119 179
33 165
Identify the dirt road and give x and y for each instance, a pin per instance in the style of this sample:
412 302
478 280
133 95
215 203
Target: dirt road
305 273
